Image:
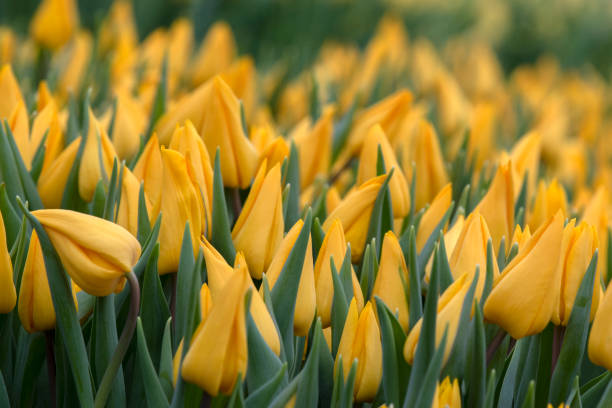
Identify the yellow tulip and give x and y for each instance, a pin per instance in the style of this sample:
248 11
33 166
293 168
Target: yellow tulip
54 22
453 108
433 215
449 314
73 72
361 341
596 214
354 213
180 204
398 186
47 121
259 228
471 251
219 273
314 146
214 111
272 148
430 170
450 242
218 351
525 157
482 132
521 236
306 299
9 89
129 125
577 248
20 127
520 309
180 44
8 40
119 24
497 206
53 178
601 333
95 252
241 78
392 280
332 199
333 247
150 169
448 395
127 216
548 201
8 296
98 157
44 96
216 52
35 309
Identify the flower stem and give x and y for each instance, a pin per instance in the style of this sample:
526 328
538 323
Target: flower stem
495 343
558 333
49 335
122 346
236 203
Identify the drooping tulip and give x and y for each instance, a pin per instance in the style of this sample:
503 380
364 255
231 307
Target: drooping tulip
361 341
527 311
391 284
306 299
354 213
95 252
398 186
333 247
54 22
8 295
218 352
259 228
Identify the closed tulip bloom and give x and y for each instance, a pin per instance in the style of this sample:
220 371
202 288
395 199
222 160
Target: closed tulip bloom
525 157
520 309
45 122
577 248
259 228
333 247
54 144
150 169
497 206
218 352
128 126
314 146
398 186
600 337
95 252
216 53
354 213
391 283
73 72
20 127
332 199
54 22
241 77
433 215
448 395
127 216
306 299
272 148
596 214
180 204
10 91
35 309
521 236
431 175
53 178
8 294
8 40
449 314
548 201
98 157
361 341
471 251
482 131
219 273
450 242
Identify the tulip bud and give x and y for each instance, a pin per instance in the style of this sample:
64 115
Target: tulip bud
95 252
450 242
20 127
45 122
547 202
128 126
218 351
525 157
361 341
333 247
259 228
449 314
219 273
521 237
8 294
127 216
391 284
54 22
180 204
8 40
10 91
520 309
429 166
577 248
53 177
332 199
150 169
433 215
398 186
272 148
241 78
73 72
453 107
216 52
97 161
497 206
448 395
314 146
482 131
354 212
596 214
35 309
306 299
599 349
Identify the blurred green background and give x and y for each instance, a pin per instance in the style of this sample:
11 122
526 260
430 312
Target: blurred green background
578 32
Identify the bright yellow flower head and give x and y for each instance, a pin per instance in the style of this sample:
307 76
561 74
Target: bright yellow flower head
54 176
10 90
8 296
448 395
149 169
433 215
548 201
601 333
54 22
216 52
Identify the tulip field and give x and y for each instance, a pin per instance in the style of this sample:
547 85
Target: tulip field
268 203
